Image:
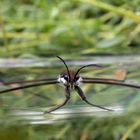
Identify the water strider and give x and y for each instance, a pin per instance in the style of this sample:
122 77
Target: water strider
71 80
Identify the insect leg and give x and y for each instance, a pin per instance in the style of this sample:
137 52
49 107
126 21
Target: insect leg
81 94
67 97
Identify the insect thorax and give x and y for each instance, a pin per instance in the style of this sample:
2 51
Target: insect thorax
69 81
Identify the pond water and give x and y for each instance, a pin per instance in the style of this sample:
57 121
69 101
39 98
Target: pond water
28 106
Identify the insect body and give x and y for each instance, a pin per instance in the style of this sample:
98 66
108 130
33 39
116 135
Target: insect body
71 81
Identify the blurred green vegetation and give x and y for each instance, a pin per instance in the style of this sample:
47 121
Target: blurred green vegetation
46 28
78 129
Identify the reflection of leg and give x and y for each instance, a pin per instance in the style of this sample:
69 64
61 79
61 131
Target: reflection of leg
41 96
67 95
81 94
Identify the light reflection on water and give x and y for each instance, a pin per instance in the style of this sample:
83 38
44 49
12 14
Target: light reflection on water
38 117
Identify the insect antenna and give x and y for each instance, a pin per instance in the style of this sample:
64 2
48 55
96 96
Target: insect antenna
65 66
95 65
